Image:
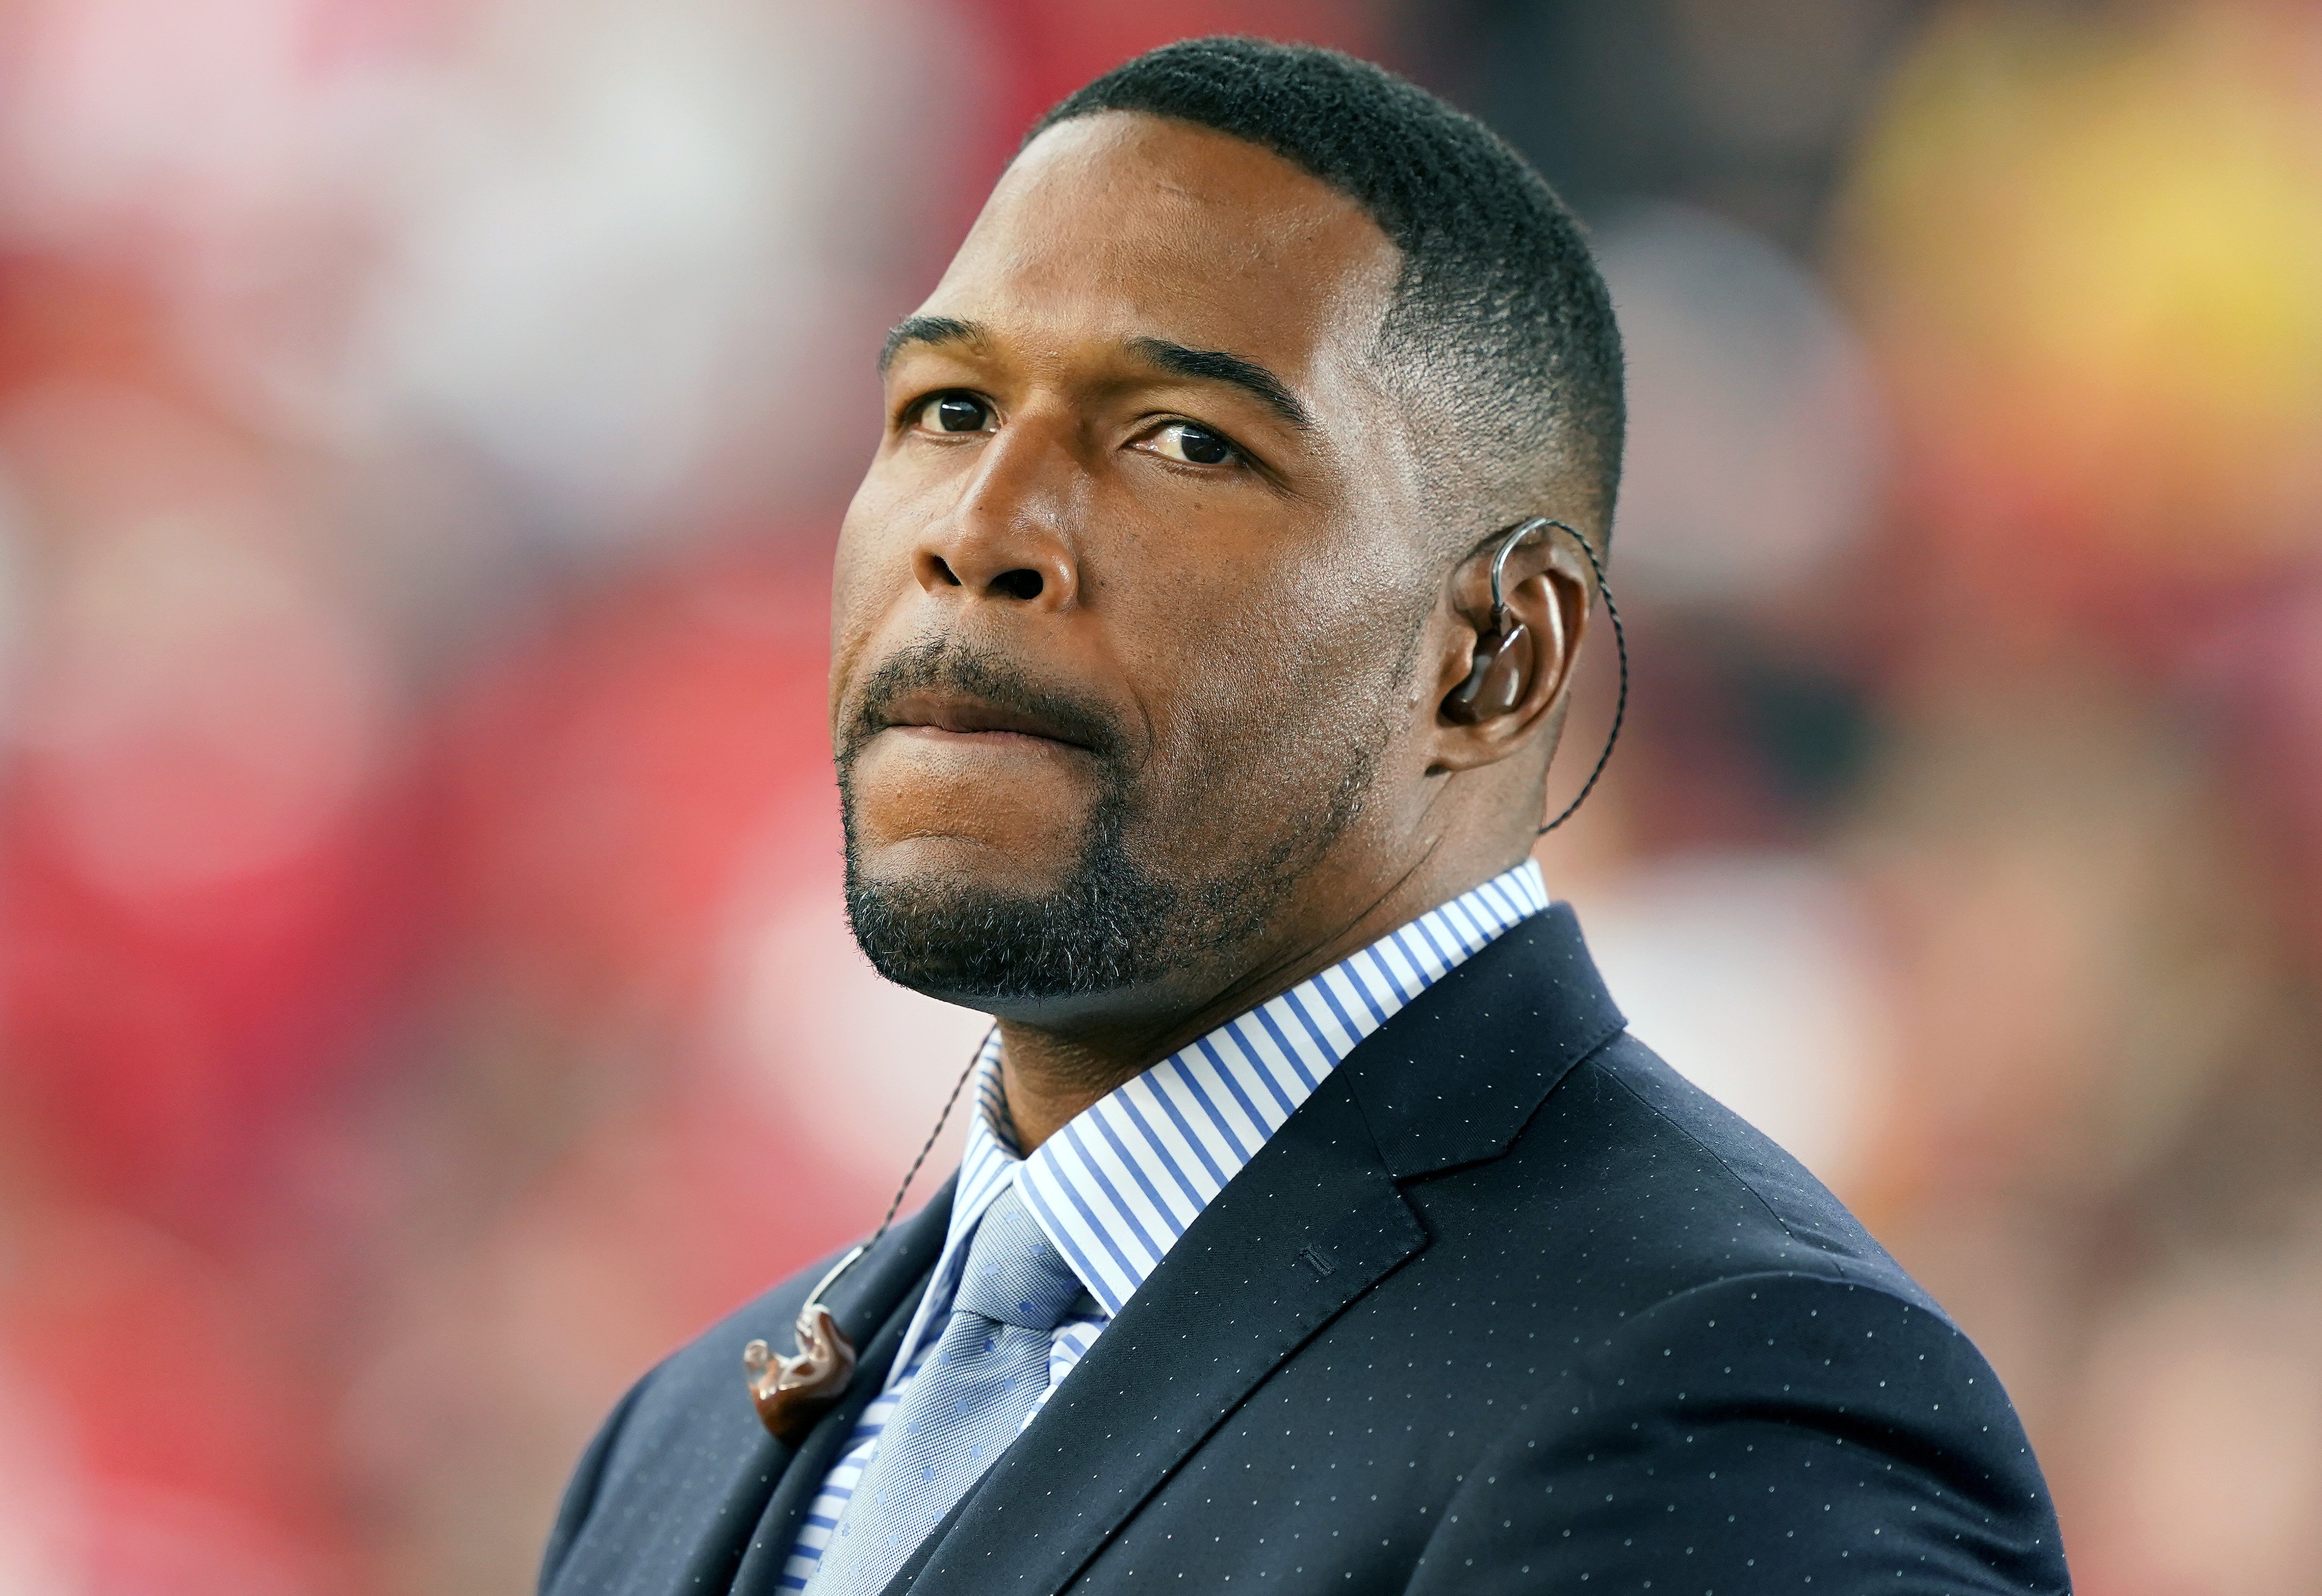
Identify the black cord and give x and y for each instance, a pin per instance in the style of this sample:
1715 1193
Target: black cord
1621 706
862 1250
927 1147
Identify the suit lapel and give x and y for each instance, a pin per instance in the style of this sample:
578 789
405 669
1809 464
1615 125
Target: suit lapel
872 1302
1312 1223
1308 1226
802 1474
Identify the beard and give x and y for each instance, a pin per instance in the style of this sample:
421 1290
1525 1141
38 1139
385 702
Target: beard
1108 923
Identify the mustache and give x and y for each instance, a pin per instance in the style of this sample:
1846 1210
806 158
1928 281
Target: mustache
947 665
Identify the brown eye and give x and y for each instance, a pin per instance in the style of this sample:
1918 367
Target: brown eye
954 413
1182 440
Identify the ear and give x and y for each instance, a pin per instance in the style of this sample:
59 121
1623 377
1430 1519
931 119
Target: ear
1497 689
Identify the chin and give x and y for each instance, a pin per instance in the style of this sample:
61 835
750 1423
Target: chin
986 862
965 939
1007 914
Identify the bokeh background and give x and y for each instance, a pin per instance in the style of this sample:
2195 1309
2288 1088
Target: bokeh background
424 993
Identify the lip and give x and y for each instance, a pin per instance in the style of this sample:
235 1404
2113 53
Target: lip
948 716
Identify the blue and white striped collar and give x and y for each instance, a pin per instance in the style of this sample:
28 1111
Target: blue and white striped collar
1118 1185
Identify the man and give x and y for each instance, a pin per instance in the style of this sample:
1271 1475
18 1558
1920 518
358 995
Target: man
1319 1227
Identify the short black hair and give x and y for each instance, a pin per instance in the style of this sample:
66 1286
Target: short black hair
1502 328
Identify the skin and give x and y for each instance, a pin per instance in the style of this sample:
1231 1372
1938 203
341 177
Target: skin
1232 618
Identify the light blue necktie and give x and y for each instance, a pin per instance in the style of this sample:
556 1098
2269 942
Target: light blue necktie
965 1404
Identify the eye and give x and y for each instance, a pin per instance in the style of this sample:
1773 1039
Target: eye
1195 445
953 413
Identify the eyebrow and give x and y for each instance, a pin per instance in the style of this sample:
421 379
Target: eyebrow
1214 365
1203 365
927 330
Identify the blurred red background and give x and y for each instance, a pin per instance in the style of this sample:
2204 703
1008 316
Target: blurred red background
424 990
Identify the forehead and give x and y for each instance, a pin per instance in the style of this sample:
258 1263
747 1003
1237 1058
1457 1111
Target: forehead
1122 226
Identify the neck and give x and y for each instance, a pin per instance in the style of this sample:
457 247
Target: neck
1052 1071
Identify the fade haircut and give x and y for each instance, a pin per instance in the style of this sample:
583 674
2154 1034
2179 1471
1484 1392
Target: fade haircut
1500 339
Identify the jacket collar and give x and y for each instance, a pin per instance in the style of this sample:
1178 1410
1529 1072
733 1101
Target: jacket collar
1460 1074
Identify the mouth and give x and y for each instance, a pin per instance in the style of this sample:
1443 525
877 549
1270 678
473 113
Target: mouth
964 719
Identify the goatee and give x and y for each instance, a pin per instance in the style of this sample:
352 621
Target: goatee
1109 925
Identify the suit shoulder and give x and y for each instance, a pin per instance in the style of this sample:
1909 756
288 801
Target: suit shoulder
670 1453
709 1365
1702 1194
695 1401
705 1376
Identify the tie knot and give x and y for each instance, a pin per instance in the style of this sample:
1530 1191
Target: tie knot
1013 1273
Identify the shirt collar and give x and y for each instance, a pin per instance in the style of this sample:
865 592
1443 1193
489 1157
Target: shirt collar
1118 1185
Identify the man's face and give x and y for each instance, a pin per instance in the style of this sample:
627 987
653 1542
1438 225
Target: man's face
1127 606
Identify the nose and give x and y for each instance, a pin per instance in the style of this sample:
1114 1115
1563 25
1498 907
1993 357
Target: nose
1005 540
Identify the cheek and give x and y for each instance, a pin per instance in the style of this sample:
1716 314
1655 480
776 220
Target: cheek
870 572
1211 673
868 546
1271 711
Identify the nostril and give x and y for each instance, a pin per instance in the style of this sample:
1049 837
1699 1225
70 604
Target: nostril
942 571
1016 584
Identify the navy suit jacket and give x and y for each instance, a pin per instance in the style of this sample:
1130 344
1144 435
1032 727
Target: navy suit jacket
1506 1305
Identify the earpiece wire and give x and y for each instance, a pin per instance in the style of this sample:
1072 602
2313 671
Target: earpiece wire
1620 643
910 1174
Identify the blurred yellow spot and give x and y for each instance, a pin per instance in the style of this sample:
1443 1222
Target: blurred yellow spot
2091 259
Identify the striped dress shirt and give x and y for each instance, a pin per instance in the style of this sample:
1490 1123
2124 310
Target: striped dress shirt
1118 1185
